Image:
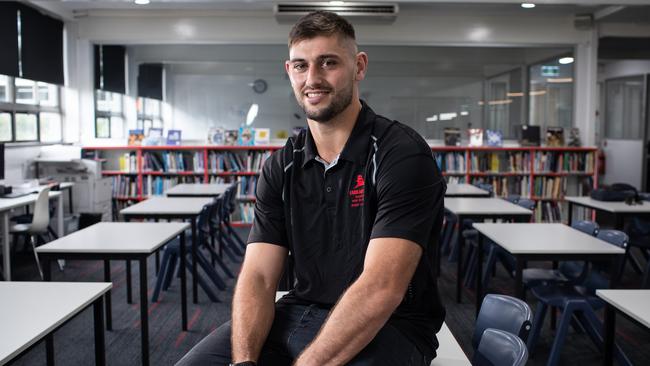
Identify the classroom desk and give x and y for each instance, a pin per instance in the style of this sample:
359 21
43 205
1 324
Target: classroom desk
620 210
31 311
197 190
634 304
169 208
541 242
465 190
6 205
121 241
68 186
479 209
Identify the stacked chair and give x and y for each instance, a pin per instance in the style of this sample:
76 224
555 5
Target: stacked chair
575 296
502 326
214 229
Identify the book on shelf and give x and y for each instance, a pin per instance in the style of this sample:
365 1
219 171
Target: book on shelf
475 136
262 136
246 136
454 162
128 162
452 136
494 138
231 137
554 136
135 137
173 137
217 135
529 135
574 137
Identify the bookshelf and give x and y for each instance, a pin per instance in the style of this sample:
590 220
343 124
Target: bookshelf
139 172
544 174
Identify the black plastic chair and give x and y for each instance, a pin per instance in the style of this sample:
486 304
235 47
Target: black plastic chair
504 313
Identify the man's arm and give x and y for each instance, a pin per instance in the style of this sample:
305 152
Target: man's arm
253 305
367 304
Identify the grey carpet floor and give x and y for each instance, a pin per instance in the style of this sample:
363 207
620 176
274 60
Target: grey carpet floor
74 341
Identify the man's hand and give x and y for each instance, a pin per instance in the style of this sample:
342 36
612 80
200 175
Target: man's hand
367 304
253 304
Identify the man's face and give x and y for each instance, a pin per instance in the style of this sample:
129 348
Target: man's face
323 72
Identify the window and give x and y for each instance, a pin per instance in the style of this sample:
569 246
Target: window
624 108
551 94
109 115
30 111
149 114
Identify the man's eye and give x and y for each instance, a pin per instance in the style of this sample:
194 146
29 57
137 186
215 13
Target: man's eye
329 63
299 67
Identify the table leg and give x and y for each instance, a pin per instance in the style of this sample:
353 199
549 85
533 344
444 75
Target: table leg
157 254
59 216
107 278
100 350
49 349
70 200
570 218
519 283
183 284
144 316
195 287
479 274
129 297
610 323
6 246
459 265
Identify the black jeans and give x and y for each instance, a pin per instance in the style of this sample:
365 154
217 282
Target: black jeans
294 327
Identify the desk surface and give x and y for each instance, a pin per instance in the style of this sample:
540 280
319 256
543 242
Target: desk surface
116 237
168 206
31 310
449 351
544 238
634 303
484 206
9 203
464 189
615 207
187 189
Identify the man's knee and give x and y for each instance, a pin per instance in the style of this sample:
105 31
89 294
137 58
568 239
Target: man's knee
214 349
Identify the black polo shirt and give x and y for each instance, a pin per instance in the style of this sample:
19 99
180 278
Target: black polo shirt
387 186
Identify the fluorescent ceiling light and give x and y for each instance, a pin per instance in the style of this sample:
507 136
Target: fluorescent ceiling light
252 113
464 113
566 60
527 5
559 80
433 118
448 116
142 2
515 94
337 3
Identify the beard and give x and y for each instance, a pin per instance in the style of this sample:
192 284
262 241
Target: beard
324 114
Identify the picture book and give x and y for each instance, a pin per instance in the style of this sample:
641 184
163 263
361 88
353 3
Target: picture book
218 136
452 136
173 137
230 137
554 136
494 138
246 136
529 135
135 137
262 136
475 136
574 137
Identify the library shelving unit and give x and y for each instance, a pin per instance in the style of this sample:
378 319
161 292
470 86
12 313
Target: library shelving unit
139 172
544 174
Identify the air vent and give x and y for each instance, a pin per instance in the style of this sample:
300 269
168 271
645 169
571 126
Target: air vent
379 12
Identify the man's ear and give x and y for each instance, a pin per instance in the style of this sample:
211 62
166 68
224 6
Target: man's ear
361 66
286 66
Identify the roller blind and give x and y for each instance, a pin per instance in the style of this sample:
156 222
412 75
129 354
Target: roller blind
150 81
110 72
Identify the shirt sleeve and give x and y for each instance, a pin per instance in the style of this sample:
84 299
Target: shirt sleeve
410 197
269 223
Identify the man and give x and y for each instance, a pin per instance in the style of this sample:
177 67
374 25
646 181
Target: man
357 201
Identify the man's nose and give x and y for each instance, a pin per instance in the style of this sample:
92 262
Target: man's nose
314 76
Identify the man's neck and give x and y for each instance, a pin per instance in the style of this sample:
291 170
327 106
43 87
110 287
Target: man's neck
330 137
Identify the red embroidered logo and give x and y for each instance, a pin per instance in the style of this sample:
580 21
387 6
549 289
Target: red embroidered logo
356 193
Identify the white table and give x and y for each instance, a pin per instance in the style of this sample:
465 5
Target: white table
168 208
197 190
465 190
31 311
619 209
634 304
121 241
449 352
6 205
479 209
541 242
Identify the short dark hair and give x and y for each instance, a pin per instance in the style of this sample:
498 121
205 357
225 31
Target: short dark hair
320 23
